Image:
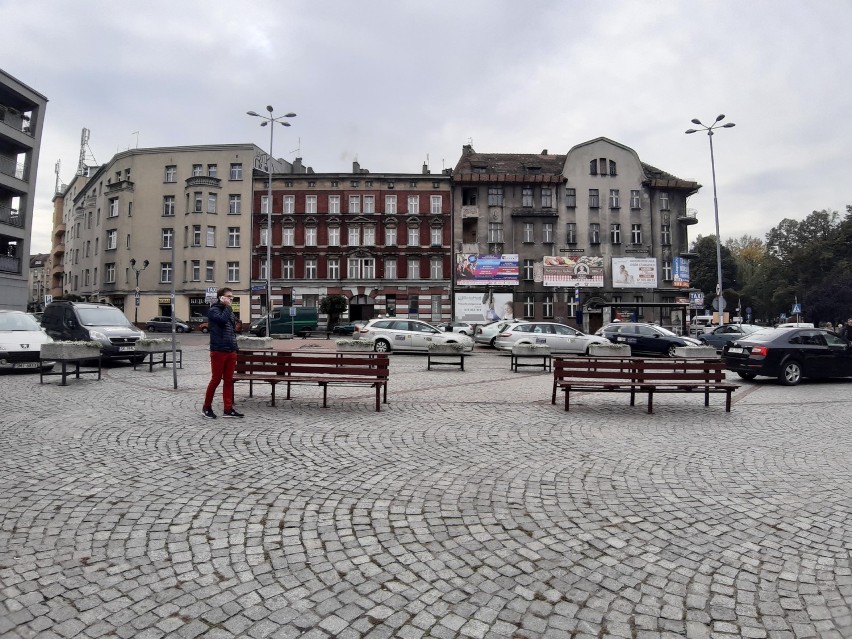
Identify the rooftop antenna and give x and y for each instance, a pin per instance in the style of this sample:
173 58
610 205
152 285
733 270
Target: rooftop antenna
56 168
136 133
84 144
298 149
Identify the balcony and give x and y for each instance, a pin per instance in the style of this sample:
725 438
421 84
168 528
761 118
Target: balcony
469 211
12 168
120 185
9 264
203 180
11 216
687 217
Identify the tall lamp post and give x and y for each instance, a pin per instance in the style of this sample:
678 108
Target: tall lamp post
137 271
271 121
709 129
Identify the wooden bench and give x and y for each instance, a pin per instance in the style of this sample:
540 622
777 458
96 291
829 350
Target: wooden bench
636 375
321 368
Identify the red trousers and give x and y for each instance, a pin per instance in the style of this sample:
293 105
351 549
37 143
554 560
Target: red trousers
222 365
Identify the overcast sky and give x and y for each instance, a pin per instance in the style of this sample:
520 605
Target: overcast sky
393 83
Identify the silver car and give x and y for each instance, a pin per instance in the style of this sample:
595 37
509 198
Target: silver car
559 337
487 333
391 334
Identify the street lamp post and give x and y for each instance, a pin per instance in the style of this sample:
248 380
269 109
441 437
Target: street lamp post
709 129
271 122
137 271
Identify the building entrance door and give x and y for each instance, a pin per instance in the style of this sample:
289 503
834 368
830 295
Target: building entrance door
361 307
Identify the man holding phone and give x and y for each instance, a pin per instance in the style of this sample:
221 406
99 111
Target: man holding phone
223 354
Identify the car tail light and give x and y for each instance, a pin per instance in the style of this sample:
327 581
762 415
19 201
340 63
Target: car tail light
363 329
760 351
506 334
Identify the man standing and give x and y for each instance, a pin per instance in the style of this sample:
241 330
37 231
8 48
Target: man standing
846 331
223 354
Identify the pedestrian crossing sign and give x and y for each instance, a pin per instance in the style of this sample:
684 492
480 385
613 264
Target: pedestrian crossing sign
797 309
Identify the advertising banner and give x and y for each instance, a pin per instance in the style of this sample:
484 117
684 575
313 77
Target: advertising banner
488 270
634 272
573 270
480 308
680 272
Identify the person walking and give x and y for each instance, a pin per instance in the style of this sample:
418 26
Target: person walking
846 331
223 354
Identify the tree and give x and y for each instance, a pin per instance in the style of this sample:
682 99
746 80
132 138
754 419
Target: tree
703 272
334 306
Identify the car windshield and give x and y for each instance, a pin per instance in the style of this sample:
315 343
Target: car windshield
665 331
103 317
18 322
765 335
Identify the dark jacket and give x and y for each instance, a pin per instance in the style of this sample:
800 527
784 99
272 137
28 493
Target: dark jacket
220 323
846 332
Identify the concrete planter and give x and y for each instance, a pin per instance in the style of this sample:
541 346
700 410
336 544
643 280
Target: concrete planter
353 346
248 343
609 350
530 349
696 352
157 345
70 350
446 349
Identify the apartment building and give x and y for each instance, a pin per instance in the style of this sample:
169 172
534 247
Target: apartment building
22 111
580 238
39 281
151 219
381 240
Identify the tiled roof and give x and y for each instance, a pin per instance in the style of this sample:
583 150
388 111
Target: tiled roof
662 180
508 167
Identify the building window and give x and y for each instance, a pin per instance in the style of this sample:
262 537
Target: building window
495 232
390 236
615 233
354 236
413 204
664 201
196 170
288 236
369 233
354 203
613 199
547 198
109 273
612 170
113 208
212 170
333 268
111 240
310 236
165 272
435 235
168 205
547 307
196 235
571 198
261 273
635 201
529 269
529 232
288 268
311 204
171 173
594 199
390 268
233 272
369 204
210 271
234 204
198 199
233 237
666 235
495 196
414 236
264 237
289 204
195 267
594 233
166 236
236 171
636 233
334 236
667 270
310 268
436 268
334 204
414 268
529 306
211 236
211 202
264 204
593 167
527 196
361 268
436 204
390 205
547 233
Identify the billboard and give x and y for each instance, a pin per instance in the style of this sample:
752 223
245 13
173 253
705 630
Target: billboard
483 307
634 272
680 272
573 270
488 270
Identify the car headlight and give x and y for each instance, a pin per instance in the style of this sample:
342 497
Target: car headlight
98 336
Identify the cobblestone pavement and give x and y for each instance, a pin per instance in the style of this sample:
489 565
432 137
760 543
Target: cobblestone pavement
468 507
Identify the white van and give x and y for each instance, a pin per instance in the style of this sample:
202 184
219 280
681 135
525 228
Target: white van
700 324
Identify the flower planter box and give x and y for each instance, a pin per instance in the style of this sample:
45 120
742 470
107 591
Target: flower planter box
70 350
533 356
609 350
157 345
530 349
247 343
446 349
696 352
353 346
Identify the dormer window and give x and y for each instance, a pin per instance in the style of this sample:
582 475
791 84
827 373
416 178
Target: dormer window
602 166
480 169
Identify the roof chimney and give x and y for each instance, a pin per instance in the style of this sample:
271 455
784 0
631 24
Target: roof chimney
426 170
356 168
544 151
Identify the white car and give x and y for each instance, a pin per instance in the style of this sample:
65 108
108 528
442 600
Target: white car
559 337
21 338
391 334
487 333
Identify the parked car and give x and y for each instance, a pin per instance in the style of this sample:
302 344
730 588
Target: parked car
204 328
644 338
487 333
87 321
465 328
21 338
700 324
789 354
164 324
559 337
721 335
348 328
408 335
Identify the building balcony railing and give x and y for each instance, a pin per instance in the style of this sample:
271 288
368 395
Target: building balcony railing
11 216
9 264
121 185
203 180
687 217
14 119
14 169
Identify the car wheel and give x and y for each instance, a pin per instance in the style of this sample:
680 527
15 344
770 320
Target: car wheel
382 346
150 329
492 343
179 329
747 375
463 333
672 351
205 329
791 373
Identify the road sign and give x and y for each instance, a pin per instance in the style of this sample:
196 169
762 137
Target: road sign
137 299
797 309
48 299
292 311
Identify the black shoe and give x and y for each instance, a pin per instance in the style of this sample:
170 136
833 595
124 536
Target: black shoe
232 413
208 413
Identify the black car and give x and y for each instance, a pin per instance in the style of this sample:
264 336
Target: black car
163 323
347 329
645 338
789 354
